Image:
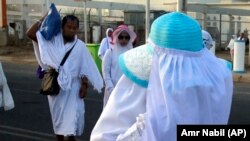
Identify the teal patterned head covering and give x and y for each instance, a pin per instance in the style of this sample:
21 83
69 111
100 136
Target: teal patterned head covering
176 31
136 64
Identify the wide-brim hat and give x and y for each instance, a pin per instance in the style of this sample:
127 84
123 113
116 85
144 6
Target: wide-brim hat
136 64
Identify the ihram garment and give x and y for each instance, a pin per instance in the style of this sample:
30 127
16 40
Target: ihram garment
67 108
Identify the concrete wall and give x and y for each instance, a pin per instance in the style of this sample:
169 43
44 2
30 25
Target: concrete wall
3 29
3 37
160 4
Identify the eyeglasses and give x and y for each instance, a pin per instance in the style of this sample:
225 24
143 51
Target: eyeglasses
124 37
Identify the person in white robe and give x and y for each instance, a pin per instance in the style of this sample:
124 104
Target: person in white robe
187 83
123 118
106 43
122 41
207 39
6 99
128 99
67 108
231 46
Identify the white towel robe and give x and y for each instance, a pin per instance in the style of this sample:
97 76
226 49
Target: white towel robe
6 99
126 102
67 109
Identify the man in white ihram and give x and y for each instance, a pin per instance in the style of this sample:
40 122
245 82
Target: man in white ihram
67 108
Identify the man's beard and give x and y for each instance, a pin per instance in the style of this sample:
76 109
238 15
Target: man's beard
68 39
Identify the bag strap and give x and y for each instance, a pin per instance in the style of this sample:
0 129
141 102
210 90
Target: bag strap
66 55
108 41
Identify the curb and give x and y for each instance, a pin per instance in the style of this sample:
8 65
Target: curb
241 78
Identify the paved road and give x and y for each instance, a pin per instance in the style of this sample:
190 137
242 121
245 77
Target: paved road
240 110
30 119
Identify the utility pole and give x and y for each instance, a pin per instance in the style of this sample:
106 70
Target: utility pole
85 22
147 22
3 17
3 23
181 6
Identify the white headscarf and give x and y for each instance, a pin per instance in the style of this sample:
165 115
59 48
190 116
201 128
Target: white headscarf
105 44
107 31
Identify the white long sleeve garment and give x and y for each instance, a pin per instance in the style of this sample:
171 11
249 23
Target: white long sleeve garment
126 102
207 39
104 46
6 99
110 68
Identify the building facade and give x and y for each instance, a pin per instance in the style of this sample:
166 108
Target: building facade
24 12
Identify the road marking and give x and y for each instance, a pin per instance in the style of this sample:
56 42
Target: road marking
242 93
35 133
22 135
26 131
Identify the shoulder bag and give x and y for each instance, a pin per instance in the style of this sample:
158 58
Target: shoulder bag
49 84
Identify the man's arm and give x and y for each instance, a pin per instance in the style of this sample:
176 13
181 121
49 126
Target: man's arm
102 48
31 32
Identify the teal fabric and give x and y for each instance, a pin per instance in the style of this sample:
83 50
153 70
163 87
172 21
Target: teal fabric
178 31
229 65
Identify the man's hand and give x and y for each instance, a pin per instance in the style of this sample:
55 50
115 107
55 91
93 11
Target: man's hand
83 91
84 87
31 32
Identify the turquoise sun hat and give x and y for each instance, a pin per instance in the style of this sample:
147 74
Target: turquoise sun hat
176 31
